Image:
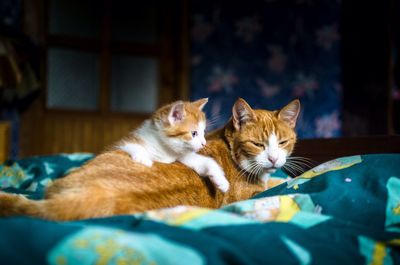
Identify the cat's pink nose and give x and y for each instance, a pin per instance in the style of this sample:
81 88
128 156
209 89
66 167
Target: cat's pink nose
272 159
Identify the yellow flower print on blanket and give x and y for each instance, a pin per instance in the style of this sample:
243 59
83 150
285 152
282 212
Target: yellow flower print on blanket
375 252
266 209
294 208
298 209
100 245
195 217
176 215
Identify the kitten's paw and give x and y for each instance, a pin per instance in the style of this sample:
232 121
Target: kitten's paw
217 176
221 183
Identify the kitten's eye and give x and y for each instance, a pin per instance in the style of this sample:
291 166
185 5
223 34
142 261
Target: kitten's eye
258 144
283 142
194 133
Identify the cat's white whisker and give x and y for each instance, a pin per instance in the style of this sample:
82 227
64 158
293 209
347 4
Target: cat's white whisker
245 169
213 120
215 117
260 168
295 166
216 120
302 165
302 157
249 170
302 162
290 170
251 175
297 170
306 160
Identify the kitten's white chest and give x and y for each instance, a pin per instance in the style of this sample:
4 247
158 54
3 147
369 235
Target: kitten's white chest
164 158
156 150
138 153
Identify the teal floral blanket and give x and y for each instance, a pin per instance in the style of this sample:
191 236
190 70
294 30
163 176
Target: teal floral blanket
346 211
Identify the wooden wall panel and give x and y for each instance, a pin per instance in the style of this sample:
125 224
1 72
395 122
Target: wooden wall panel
4 140
67 133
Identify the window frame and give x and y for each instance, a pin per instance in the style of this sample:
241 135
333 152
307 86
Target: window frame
105 47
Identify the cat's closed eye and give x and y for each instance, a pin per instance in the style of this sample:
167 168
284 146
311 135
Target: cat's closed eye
194 133
260 145
283 142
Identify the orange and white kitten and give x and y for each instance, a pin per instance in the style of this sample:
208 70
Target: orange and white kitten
175 132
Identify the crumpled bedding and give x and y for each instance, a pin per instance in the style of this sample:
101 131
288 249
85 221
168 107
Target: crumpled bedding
345 211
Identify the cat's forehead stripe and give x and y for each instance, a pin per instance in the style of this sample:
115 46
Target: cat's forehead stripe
270 124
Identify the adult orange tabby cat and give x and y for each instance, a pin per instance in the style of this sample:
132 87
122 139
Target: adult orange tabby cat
111 184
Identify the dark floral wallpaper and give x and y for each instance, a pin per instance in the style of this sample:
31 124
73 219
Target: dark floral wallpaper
269 52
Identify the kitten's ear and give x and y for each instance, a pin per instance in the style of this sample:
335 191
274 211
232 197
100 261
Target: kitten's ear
290 112
176 113
241 113
200 103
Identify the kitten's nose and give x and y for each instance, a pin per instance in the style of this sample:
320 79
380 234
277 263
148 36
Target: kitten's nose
272 159
203 143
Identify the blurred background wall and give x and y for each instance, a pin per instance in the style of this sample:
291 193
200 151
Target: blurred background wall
270 52
78 75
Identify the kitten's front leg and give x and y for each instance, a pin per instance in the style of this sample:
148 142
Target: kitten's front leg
206 167
137 153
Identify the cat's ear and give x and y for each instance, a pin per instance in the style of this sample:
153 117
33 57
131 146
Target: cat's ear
241 113
177 112
290 112
200 103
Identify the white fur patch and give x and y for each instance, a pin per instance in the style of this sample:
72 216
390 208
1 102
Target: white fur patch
270 159
201 130
273 147
273 155
137 153
158 147
206 167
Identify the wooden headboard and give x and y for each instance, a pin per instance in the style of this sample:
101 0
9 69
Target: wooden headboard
322 150
4 140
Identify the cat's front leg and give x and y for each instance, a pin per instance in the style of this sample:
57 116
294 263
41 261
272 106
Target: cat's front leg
137 153
206 167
